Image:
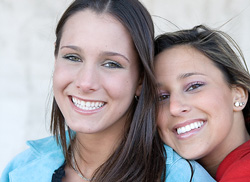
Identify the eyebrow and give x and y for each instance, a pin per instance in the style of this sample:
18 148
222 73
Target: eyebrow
185 75
107 53
72 47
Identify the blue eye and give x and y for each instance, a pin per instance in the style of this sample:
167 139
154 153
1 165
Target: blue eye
163 97
112 64
194 86
72 57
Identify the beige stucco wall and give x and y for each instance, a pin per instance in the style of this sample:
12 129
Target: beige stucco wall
26 55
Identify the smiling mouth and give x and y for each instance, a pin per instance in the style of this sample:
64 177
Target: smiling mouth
87 105
189 127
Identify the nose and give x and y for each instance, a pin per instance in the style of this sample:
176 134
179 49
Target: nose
178 105
87 79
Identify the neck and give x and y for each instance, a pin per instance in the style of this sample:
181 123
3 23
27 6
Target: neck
92 150
235 138
95 149
211 163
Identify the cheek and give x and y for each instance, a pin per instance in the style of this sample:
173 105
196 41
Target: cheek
218 101
128 81
61 78
122 87
123 84
163 130
162 120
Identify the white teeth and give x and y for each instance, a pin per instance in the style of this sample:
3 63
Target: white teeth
199 124
87 105
192 126
96 104
82 103
189 127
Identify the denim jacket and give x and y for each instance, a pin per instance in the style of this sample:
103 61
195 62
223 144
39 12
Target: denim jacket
179 170
38 163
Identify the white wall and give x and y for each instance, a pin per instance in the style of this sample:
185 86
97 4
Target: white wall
26 55
214 13
26 64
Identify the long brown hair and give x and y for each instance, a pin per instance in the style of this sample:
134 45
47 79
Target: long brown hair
137 157
220 48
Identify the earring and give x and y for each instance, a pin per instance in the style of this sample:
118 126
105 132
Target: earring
237 104
242 104
136 98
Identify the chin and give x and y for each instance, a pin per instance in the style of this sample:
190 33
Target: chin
192 156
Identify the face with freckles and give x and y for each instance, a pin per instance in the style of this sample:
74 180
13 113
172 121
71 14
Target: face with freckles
96 73
196 114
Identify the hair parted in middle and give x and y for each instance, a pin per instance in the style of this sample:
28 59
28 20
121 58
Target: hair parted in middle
138 157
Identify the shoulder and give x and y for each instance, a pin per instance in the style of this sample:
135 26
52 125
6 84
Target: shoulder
42 153
239 171
235 167
180 169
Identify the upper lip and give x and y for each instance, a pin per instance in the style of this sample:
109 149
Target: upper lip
187 122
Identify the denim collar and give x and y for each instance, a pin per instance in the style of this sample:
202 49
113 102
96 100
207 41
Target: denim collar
39 162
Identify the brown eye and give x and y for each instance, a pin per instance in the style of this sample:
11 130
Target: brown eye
195 86
163 97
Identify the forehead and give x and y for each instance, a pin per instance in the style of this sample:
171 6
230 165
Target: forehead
96 25
183 59
181 56
94 32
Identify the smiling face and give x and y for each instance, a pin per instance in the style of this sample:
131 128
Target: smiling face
96 73
196 116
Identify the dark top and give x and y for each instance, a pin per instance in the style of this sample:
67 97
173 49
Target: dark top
59 173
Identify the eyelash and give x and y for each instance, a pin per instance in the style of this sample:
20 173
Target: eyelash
194 86
163 96
108 64
197 85
72 57
112 64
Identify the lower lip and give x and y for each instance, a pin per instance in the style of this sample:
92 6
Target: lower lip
190 133
88 112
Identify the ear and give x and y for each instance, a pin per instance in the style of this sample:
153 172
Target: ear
240 97
139 87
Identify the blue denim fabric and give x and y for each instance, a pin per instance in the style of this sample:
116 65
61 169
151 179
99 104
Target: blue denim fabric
36 163
179 170
44 156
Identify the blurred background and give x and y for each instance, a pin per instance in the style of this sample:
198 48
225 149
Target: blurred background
26 55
